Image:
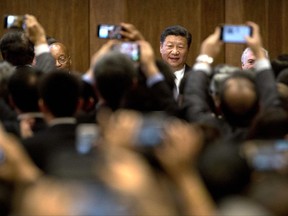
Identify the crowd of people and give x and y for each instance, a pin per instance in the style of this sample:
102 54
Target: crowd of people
141 136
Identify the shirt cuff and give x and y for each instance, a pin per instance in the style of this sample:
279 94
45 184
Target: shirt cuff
262 64
154 79
206 68
41 48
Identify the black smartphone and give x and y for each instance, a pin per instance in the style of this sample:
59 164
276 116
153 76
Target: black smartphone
131 49
108 31
235 33
13 21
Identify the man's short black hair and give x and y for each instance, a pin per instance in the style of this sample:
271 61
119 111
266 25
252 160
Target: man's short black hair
176 30
60 92
23 88
114 74
16 48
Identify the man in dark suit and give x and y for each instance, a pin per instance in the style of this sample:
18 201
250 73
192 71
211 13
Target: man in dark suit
27 46
23 92
240 96
175 42
59 101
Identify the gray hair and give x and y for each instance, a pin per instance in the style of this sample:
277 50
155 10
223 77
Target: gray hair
221 73
244 54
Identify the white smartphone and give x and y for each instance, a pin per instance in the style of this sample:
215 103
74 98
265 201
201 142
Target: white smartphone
235 33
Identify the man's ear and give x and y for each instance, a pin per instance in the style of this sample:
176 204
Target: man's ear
161 47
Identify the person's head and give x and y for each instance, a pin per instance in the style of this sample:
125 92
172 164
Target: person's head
59 93
279 64
223 170
16 48
175 42
114 75
61 55
220 73
248 58
269 124
23 88
239 98
140 98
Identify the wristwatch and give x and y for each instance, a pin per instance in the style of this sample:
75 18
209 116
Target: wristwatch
203 58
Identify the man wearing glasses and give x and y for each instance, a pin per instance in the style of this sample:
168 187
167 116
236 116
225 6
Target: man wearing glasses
61 55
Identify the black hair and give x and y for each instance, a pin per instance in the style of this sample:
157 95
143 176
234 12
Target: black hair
176 30
283 76
16 48
279 64
60 92
23 88
223 170
114 74
269 124
50 40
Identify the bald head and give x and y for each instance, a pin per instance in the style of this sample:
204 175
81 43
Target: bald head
61 55
240 95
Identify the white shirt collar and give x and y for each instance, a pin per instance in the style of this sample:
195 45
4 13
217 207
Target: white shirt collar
179 75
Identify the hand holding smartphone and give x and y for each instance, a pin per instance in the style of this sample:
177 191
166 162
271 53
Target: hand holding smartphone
131 49
235 33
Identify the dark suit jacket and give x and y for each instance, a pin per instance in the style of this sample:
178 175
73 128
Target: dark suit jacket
45 62
198 109
187 69
48 142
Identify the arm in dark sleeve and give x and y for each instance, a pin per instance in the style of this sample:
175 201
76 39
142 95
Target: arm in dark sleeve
163 99
196 96
44 60
267 89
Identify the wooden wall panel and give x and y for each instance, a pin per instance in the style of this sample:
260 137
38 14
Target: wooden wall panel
66 20
234 15
212 14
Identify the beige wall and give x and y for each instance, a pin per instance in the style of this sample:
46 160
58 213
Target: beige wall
74 22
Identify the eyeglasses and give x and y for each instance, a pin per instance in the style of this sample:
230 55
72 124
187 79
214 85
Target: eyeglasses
62 59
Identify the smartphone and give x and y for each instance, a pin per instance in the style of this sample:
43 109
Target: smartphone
86 137
14 21
267 155
107 31
152 131
131 49
235 33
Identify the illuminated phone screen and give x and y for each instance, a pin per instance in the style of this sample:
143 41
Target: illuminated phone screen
235 33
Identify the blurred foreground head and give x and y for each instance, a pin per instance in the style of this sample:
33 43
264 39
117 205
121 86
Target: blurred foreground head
114 76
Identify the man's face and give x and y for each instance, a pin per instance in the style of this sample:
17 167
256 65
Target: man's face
174 51
249 61
63 60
